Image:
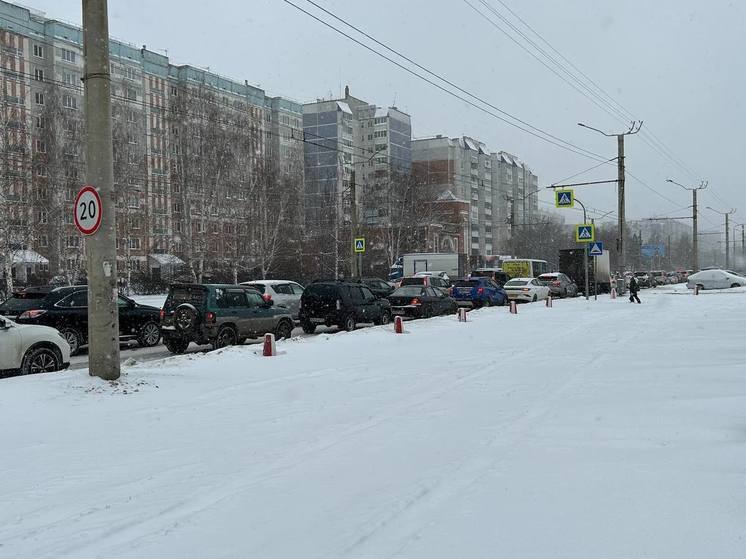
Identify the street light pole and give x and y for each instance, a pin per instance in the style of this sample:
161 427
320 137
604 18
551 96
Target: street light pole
585 251
621 204
101 247
727 233
695 246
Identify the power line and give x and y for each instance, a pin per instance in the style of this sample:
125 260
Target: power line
528 128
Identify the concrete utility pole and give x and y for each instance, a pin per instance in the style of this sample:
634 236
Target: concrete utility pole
695 247
101 247
621 204
727 233
354 268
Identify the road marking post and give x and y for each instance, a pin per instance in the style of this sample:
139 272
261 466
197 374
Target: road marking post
462 315
549 301
513 307
270 348
398 325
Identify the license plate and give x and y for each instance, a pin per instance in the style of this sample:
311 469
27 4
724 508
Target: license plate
318 320
399 311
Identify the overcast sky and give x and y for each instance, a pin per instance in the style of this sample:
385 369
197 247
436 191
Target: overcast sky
677 64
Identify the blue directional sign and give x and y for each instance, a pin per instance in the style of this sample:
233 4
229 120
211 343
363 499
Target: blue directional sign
585 233
596 249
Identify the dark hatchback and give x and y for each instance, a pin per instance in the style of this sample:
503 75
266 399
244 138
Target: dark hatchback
419 301
66 309
344 304
23 300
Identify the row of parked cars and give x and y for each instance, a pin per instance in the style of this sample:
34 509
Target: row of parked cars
49 324
654 278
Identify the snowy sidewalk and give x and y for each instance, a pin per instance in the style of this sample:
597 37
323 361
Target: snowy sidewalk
584 430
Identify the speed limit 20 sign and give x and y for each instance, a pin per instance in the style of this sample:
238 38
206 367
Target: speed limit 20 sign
87 210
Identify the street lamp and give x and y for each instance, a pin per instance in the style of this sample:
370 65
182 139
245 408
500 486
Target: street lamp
695 246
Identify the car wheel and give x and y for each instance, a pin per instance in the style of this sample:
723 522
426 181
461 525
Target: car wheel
308 327
150 335
348 324
176 345
284 330
427 313
74 339
734 285
241 341
40 360
385 318
701 287
226 336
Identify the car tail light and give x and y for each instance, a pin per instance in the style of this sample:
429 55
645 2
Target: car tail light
415 301
480 290
556 283
210 318
32 314
339 305
163 314
267 297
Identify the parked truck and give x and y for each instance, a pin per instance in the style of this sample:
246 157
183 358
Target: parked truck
571 264
451 263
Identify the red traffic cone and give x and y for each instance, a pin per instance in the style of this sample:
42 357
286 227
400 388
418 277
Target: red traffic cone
513 307
398 325
270 349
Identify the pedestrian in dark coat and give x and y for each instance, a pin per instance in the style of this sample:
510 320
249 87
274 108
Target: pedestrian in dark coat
634 287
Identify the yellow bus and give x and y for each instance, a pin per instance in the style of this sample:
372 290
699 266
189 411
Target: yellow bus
524 267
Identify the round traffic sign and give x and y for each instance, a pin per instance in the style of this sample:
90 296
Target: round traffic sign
87 210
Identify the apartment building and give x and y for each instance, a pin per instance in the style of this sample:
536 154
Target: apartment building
349 135
500 189
188 146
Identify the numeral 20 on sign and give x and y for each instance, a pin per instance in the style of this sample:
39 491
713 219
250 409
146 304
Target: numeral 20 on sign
87 210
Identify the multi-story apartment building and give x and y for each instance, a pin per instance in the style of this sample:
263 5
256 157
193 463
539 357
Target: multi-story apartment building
349 136
190 148
500 190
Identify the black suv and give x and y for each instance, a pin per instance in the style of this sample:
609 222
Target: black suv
220 315
379 287
66 308
342 303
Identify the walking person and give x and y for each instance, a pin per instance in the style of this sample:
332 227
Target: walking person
634 287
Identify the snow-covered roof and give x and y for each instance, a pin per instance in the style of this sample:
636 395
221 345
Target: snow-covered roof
381 112
27 257
484 149
470 144
167 259
344 107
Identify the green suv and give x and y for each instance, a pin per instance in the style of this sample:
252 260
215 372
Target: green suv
220 315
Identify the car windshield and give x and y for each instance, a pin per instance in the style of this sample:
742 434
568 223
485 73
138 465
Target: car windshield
322 291
466 283
413 281
516 282
408 291
548 278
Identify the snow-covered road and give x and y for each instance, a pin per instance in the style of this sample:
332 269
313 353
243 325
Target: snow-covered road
591 429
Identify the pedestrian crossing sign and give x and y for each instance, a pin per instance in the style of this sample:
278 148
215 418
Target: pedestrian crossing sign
564 198
596 249
585 233
359 244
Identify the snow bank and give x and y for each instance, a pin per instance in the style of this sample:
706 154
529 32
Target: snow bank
584 430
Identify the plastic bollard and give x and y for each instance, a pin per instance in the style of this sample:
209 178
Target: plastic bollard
398 325
696 290
613 292
513 307
270 349
462 315
549 302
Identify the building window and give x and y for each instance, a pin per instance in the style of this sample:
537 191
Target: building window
133 201
68 78
40 122
43 241
39 74
39 98
41 147
130 74
134 243
68 55
42 216
73 241
38 51
70 102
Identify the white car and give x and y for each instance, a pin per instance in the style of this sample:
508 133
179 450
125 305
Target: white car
284 293
526 289
442 275
28 348
715 279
